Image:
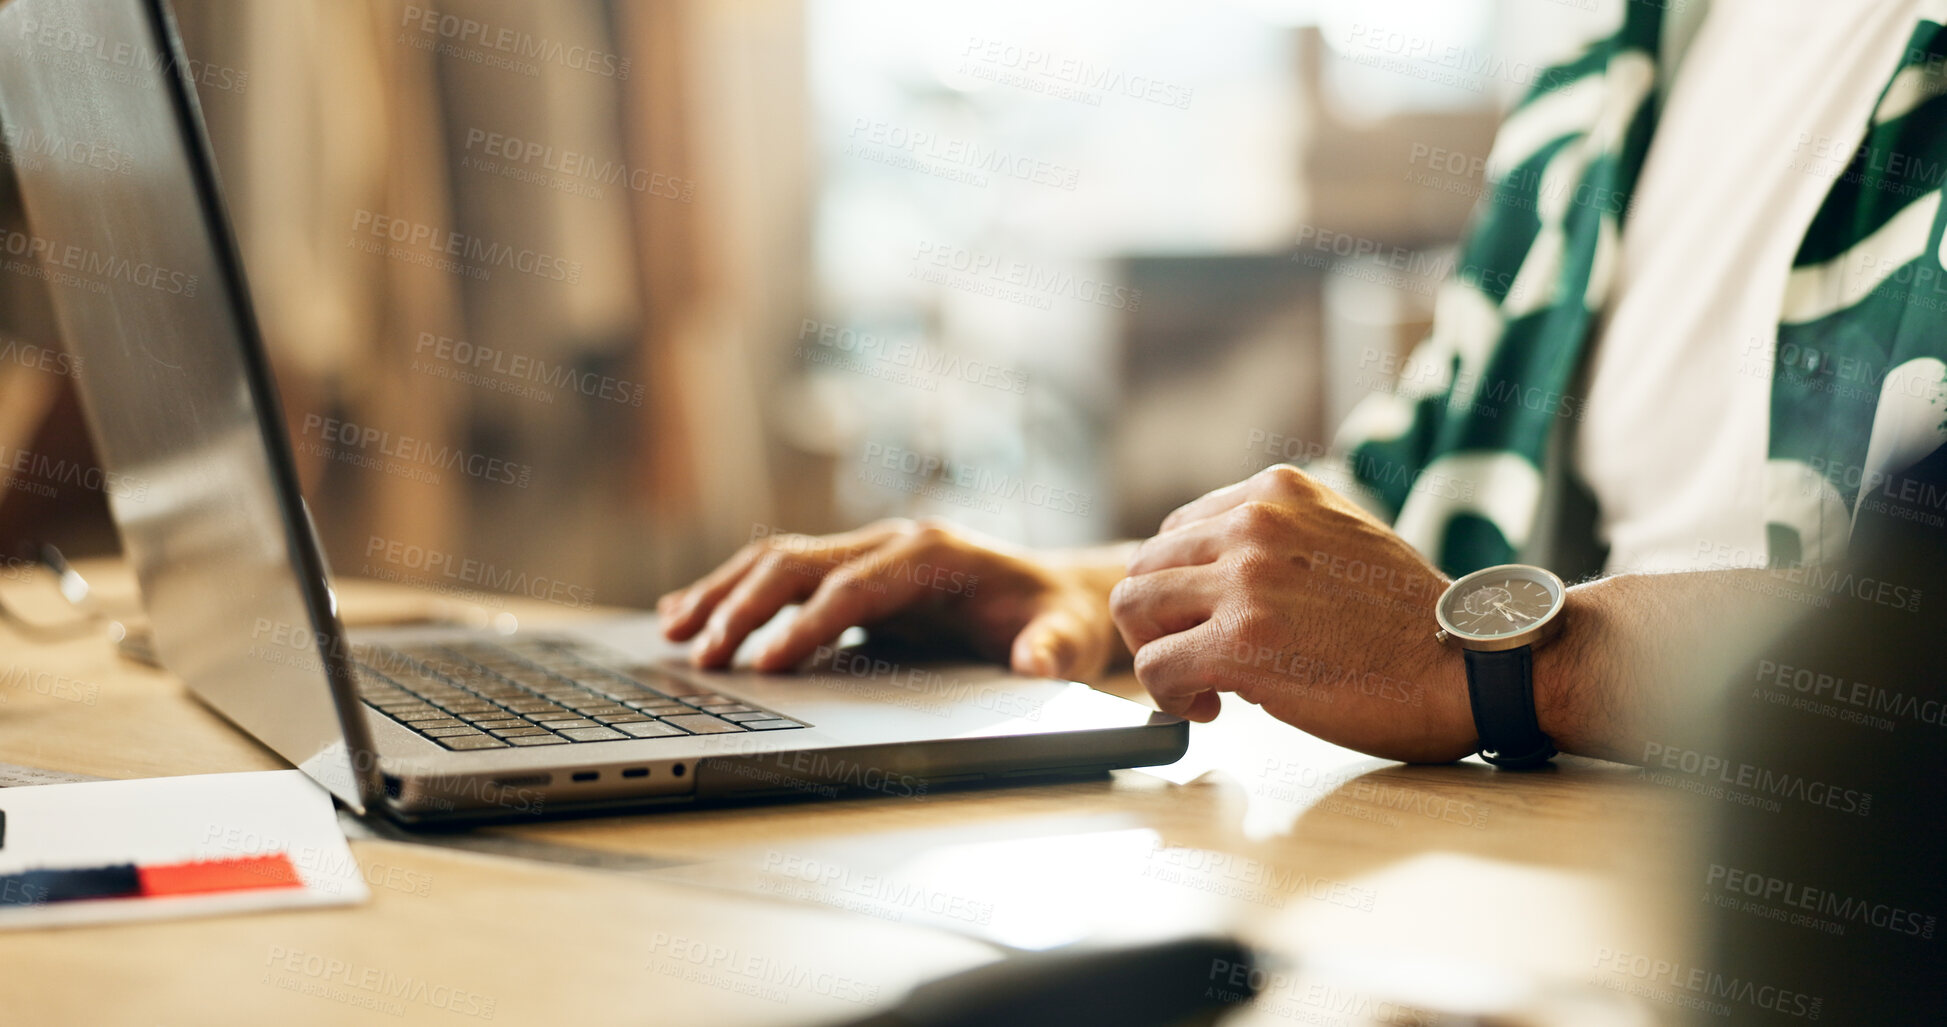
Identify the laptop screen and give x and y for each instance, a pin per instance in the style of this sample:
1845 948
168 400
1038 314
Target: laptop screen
126 228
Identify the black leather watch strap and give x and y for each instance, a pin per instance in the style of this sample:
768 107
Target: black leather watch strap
1500 687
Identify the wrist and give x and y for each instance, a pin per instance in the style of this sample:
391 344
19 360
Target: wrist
1564 676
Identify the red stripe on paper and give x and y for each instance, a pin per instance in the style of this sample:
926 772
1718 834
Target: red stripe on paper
246 873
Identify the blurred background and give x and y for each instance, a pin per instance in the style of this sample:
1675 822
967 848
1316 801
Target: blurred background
594 291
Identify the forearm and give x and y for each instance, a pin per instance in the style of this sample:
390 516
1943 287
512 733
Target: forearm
1636 652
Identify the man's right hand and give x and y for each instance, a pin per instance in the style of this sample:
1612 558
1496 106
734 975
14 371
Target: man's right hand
1044 614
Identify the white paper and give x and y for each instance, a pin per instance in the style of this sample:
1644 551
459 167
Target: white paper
177 820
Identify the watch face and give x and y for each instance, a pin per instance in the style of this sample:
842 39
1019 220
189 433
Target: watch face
1500 601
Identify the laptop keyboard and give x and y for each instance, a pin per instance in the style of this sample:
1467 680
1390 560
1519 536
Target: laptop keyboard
485 695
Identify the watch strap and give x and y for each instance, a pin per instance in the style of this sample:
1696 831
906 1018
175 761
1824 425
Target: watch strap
1501 690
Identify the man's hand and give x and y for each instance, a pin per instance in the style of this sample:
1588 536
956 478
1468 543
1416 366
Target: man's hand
1043 614
1288 594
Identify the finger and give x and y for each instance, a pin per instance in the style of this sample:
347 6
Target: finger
1282 482
684 610
776 580
1179 675
1209 504
867 588
1149 606
1190 545
1056 643
1204 707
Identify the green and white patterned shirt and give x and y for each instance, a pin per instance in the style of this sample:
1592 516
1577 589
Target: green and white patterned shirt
1471 465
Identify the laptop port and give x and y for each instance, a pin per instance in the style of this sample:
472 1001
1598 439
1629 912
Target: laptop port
636 772
586 775
677 770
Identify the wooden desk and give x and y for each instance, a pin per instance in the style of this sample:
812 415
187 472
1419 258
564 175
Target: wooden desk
1381 884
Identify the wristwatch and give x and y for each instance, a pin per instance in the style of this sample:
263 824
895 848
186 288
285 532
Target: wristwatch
1498 617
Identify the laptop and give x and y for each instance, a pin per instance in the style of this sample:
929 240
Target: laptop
126 224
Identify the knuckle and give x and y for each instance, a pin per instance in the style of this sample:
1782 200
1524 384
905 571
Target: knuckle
931 531
1259 514
1230 628
1285 479
1124 598
1256 522
1249 616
